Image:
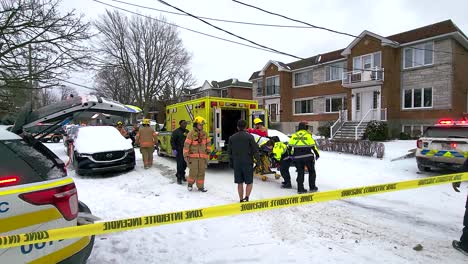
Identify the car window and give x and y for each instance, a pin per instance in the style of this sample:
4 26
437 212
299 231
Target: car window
447 132
29 163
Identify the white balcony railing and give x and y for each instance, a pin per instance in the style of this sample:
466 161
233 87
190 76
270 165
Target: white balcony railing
375 74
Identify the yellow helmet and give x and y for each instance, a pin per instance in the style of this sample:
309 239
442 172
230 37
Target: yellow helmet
119 123
199 120
257 121
146 121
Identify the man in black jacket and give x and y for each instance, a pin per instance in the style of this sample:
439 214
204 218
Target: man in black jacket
177 142
242 150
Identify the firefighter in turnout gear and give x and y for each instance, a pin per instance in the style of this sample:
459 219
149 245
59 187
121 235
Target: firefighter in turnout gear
303 149
197 148
147 138
122 129
281 154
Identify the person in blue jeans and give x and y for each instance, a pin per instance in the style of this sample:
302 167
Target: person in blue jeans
462 245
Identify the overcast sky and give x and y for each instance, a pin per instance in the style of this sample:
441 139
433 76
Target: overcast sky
219 60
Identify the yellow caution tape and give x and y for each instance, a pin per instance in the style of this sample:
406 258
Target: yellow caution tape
219 211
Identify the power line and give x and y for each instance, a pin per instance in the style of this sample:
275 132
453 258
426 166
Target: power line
335 31
188 29
213 19
228 32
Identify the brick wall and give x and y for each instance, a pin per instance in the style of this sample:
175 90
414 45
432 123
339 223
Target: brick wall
240 93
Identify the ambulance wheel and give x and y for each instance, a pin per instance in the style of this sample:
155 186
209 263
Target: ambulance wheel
277 176
264 178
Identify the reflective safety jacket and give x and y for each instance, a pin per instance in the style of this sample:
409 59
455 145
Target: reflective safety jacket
303 145
280 150
146 137
197 145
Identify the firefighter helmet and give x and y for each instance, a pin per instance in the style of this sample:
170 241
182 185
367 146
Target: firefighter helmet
257 121
146 121
119 123
199 120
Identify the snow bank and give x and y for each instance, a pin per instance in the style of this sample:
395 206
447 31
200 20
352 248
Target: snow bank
95 139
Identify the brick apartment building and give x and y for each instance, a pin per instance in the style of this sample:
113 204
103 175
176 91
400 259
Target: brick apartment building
231 88
410 79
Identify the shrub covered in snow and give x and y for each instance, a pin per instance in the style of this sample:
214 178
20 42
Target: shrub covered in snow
362 147
376 131
324 130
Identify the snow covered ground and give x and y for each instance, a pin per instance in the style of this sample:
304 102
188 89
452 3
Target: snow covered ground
375 229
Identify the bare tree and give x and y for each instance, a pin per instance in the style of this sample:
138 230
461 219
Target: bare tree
38 43
111 82
66 92
47 97
149 52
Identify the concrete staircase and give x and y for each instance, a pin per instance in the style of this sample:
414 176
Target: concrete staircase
348 130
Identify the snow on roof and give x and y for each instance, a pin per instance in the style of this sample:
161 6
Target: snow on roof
94 139
7 135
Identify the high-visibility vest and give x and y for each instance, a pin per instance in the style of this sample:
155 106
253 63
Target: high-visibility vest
279 150
302 139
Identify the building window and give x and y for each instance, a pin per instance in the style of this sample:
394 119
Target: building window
258 87
358 102
335 104
273 86
414 130
417 98
224 93
303 78
334 72
418 55
375 101
367 61
304 106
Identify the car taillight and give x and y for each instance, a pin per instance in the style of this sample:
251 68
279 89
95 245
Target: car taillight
454 145
419 143
446 122
64 198
8 181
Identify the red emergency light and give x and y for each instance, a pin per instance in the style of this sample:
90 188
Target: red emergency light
454 145
8 180
252 106
213 104
446 122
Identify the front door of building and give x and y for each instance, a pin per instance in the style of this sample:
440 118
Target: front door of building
366 104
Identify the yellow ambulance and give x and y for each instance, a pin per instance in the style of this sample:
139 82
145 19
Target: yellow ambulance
221 115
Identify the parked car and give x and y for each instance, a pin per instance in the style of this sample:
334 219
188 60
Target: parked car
102 149
35 192
50 201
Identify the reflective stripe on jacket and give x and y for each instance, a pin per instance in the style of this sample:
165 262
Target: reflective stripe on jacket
197 145
302 145
146 137
279 150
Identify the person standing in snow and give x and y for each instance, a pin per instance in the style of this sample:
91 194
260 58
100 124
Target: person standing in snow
242 149
281 154
147 138
197 148
462 245
303 149
177 143
260 128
